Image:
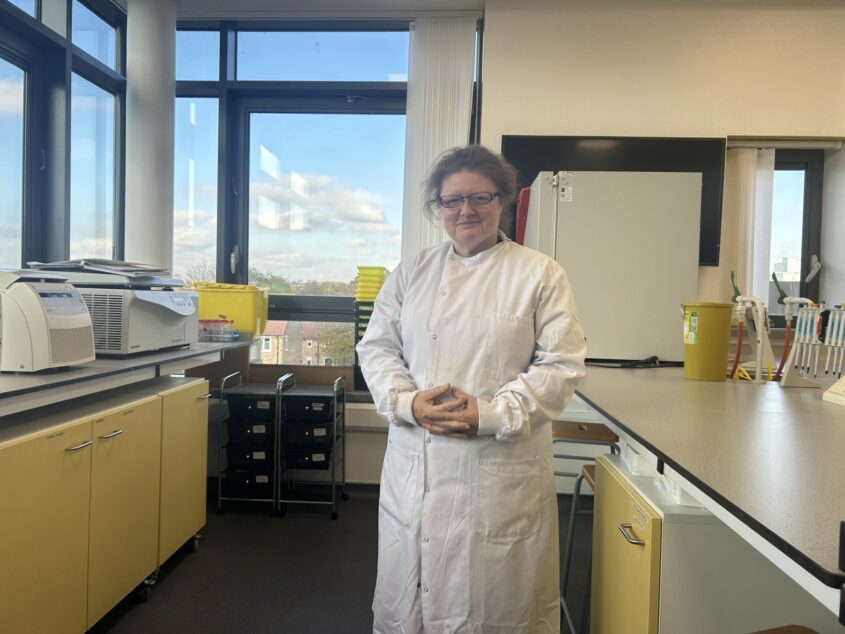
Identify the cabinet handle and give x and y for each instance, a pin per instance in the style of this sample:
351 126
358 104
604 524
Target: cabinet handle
624 528
199 398
116 432
87 443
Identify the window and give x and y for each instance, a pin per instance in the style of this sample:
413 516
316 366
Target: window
12 84
328 361
195 189
94 35
92 174
796 223
323 56
193 66
266 344
25 5
311 174
307 360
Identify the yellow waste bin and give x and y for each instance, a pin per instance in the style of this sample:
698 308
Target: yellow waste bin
244 304
707 333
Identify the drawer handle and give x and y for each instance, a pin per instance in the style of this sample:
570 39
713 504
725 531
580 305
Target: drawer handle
624 528
199 398
116 432
87 443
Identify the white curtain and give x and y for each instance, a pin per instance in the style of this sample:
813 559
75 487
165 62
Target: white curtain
440 76
754 171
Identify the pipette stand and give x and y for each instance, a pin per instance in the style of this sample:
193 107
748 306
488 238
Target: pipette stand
792 376
752 325
836 392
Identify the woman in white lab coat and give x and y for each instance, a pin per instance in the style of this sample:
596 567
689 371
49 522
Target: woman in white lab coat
472 347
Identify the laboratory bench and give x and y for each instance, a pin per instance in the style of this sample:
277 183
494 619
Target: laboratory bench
765 460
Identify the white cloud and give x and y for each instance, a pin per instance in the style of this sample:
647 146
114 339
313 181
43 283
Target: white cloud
325 203
11 96
356 242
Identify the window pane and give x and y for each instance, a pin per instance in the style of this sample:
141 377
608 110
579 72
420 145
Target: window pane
197 55
323 56
787 226
307 343
92 170
325 196
195 190
12 81
93 34
26 5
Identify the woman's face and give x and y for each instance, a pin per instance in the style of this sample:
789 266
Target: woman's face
472 229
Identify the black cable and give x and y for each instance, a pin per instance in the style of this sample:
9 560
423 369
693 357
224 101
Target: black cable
628 364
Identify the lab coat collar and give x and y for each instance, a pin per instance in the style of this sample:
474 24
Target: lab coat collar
478 258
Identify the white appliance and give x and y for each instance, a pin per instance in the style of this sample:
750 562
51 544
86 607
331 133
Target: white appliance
629 244
134 307
45 323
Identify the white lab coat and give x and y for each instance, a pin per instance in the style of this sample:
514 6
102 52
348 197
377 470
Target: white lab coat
468 530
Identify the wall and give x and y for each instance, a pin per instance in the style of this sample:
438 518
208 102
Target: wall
711 68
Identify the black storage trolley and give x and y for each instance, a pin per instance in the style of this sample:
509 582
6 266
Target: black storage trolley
249 440
313 436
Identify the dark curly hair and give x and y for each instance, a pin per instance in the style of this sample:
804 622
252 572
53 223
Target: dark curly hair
471 158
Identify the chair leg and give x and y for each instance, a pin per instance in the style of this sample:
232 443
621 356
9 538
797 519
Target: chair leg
567 555
585 606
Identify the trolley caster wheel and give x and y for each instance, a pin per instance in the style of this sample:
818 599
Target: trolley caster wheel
344 496
194 543
333 516
145 593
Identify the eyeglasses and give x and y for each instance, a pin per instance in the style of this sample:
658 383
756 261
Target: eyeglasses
479 199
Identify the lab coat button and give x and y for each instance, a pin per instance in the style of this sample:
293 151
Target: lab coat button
443 293
434 336
425 589
428 439
427 489
425 539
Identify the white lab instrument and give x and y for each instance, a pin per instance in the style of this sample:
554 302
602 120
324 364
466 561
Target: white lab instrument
132 309
629 244
45 323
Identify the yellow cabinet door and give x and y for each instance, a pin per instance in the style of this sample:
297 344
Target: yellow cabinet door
184 441
44 496
125 480
626 557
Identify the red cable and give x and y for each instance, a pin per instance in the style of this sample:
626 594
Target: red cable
787 339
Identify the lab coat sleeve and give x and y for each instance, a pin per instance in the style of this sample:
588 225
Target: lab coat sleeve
542 391
381 358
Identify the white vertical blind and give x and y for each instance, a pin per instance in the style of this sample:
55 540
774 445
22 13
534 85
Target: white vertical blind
440 76
753 178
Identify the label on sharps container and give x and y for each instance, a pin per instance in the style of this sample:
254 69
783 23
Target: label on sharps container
690 327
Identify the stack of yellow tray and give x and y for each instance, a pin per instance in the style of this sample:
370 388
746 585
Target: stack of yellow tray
370 280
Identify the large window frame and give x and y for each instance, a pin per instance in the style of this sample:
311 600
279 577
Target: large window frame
237 100
49 59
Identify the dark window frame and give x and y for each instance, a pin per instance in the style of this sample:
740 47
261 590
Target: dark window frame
812 163
237 99
49 59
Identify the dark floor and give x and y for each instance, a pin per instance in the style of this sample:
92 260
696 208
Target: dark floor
299 573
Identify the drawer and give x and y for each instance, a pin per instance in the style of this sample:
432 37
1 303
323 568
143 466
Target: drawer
251 432
241 483
245 457
251 408
303 408
307 458
308 434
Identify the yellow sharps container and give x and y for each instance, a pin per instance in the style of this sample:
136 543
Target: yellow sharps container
707 334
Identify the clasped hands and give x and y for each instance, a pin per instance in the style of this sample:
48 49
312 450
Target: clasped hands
456 417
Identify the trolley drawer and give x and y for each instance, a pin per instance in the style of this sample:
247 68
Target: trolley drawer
251 458
251 432
311 458
308 434
305 408
240 483
251 408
